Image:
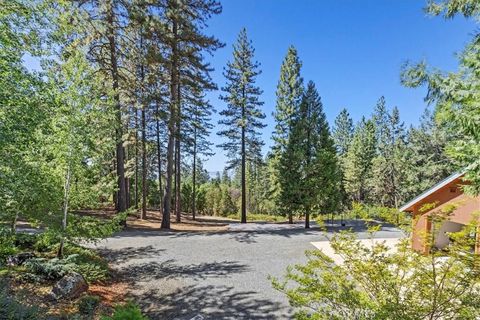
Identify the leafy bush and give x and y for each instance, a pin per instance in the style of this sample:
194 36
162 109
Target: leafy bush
88 304
93 267
25 240
52 269
6 243
13 310
129 311
92 229
375 282
81 260
46 240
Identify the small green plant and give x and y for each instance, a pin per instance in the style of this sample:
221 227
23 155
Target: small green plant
6 243
12 309
52 269
25 241
88 304
84 261
128 311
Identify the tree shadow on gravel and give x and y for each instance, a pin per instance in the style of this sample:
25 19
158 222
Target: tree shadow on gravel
166 270
129 253
211 302
251 235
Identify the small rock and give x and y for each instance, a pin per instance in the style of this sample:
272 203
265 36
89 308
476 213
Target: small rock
19 259
70 286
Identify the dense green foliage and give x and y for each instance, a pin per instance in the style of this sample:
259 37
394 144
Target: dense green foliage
375 283
455 95
129 311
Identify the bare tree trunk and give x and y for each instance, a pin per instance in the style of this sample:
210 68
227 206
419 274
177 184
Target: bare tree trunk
243 218
136 158
143 214
307 217
127 180
121 197
194 174
178 209
159 158
171 132
66 190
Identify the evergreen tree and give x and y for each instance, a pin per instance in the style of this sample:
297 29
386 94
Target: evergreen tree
456 94
289 95
389 165
343 132
359 161
195 134
187 72
317 171
242 117
426 160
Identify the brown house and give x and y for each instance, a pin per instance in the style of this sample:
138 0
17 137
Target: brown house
446 194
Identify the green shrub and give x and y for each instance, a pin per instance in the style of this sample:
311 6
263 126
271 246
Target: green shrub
88 304
129 311
85 262
52 269
10 309
92 229
7 241
46 241
93 267
25 241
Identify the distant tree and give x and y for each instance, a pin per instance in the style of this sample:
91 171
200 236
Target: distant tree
426 160
242 117
343 132
195 134
389 164
359 161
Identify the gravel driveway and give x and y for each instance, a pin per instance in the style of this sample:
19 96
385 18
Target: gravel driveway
224 275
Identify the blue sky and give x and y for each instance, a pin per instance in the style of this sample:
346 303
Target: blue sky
351 49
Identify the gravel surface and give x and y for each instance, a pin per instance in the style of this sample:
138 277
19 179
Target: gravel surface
223 275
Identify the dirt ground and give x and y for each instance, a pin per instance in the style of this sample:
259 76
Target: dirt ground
154 219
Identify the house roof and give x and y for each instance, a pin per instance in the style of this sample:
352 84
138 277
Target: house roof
432 190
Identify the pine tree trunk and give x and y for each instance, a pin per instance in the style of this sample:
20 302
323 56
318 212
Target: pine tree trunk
159 159
243 178
136 158
127 192
144 155
144 166
307 217
171 133
194 174
121 197
177 159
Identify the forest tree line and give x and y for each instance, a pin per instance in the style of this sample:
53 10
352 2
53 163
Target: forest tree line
119 116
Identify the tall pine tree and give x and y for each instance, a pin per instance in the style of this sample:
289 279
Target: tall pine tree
289 96
316 180
242 117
